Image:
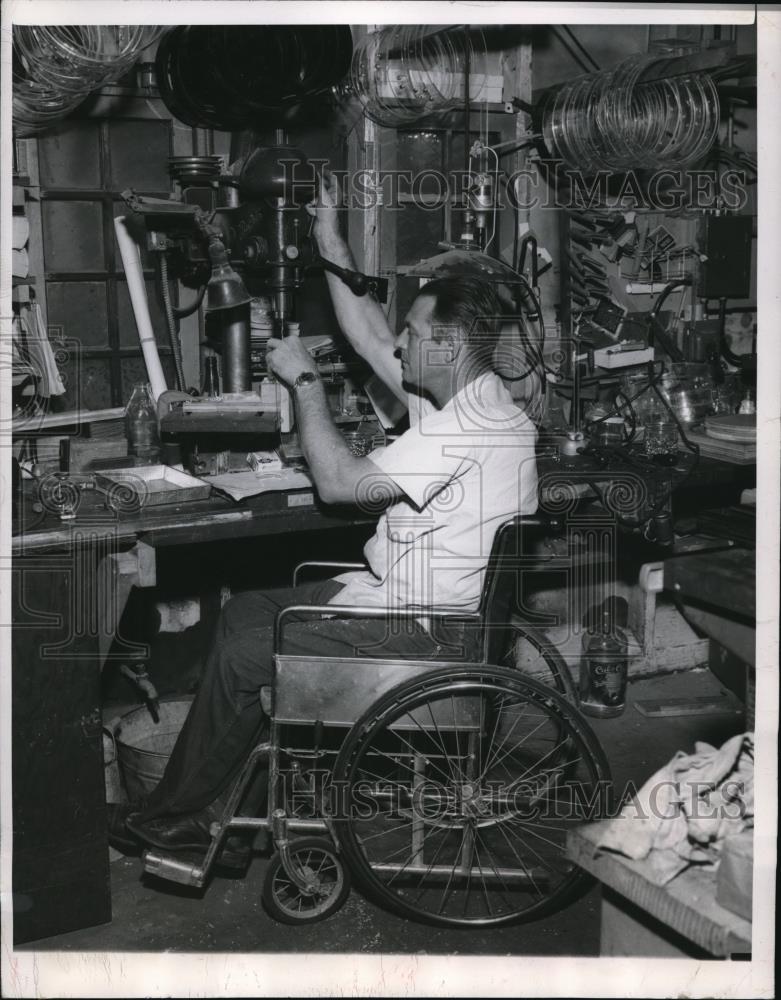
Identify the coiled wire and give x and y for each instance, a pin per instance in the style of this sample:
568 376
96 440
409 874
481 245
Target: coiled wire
617 121
55 67
403 73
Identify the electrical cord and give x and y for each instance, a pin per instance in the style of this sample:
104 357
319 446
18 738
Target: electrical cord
181 312
627 456
660 503
173 335
625 521
537 310
628 400
668 288
536 350
660 333
632 415
496 177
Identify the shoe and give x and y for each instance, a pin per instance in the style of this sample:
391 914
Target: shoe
189 832
118 834
175 834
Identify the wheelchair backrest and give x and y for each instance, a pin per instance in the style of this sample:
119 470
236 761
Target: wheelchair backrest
510 553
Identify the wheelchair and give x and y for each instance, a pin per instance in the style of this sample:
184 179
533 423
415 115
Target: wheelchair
443 788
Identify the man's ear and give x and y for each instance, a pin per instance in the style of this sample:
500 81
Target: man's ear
451 339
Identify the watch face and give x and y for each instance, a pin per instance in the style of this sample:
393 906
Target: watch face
305 378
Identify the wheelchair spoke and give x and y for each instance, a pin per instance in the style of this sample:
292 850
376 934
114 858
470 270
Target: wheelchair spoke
551 770
482 882
448 757
493 760
480 769
441 747
452 873
527 828
543 861
487 770
421 881
400 762
384 833
519 859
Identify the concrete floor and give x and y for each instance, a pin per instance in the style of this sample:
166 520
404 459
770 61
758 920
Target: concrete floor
150 915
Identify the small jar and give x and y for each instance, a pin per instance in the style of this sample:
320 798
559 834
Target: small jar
660 438
610 432
747 404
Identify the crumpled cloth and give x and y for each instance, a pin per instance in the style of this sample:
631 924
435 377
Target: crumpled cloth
34 352
683 813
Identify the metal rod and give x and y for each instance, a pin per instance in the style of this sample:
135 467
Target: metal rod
466 101
446 873
236 349
582 47
570 51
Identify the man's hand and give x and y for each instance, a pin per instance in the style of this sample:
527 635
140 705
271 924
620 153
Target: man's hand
288 358
325 207
360 317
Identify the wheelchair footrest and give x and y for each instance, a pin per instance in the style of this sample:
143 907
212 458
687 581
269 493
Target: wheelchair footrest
174 869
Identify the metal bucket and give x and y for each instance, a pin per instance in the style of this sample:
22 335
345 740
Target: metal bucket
144 746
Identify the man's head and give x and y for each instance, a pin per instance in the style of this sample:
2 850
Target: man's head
451 329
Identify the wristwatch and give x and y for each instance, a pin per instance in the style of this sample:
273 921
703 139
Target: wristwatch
305 378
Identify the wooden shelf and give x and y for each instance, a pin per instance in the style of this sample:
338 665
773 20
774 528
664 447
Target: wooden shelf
686 905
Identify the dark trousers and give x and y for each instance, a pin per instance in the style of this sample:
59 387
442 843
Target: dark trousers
226 719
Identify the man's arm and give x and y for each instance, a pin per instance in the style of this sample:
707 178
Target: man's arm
337 473
360 317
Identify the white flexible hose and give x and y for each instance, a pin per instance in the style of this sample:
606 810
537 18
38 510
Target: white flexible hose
131 261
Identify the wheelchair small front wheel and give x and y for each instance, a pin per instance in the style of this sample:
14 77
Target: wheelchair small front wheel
317 862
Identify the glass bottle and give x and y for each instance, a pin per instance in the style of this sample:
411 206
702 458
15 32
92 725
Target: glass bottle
603 669
141 428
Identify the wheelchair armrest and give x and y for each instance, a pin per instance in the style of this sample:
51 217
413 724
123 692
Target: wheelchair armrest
334 565
365 612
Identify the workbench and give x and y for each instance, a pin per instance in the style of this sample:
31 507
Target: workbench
716 592
679 920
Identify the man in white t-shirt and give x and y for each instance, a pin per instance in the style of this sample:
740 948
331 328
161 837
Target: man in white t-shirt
466 465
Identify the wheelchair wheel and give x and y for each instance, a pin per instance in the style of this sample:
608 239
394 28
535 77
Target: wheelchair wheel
457 790
532 652
318 863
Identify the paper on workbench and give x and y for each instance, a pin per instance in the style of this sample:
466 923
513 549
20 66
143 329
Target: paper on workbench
240 485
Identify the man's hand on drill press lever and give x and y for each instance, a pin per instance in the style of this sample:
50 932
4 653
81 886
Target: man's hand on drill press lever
287 359
324 208
360 316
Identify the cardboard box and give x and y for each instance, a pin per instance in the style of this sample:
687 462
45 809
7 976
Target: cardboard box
735 874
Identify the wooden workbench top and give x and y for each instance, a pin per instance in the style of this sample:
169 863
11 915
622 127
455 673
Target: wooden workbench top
686 905
211 520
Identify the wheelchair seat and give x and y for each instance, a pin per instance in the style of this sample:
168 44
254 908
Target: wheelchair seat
336 690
